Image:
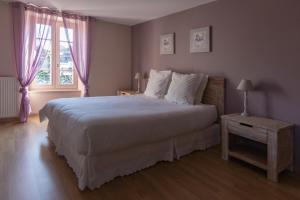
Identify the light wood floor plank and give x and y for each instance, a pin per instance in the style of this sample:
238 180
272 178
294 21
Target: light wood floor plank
30 169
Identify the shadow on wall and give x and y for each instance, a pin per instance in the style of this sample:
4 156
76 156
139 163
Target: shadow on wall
266 89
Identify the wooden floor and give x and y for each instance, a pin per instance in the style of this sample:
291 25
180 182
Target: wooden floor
30 169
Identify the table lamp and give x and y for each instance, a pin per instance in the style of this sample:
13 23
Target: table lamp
245 86
138 78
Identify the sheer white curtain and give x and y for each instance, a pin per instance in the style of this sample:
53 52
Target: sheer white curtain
80 50
27 48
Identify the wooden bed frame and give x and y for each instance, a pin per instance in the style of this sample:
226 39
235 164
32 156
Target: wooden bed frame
214 94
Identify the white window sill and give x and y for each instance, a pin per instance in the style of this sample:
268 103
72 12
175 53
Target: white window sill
53 90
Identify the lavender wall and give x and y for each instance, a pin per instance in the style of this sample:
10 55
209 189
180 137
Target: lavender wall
6 42
258 40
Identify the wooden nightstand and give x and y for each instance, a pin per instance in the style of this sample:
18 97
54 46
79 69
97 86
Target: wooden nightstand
127 92
265 143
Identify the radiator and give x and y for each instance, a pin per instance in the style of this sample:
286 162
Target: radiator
9 97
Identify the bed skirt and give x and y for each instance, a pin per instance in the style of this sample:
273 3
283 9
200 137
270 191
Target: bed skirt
94 171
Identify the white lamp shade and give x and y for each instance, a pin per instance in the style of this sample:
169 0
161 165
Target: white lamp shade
137 76
245 85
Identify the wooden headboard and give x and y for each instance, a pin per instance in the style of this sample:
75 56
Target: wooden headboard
214 93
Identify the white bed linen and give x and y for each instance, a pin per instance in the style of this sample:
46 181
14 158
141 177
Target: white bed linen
94 171
99 125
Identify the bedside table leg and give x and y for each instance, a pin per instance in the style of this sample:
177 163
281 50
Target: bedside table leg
272 175
272 157
225 140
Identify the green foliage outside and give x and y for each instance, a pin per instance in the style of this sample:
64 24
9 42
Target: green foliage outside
43 77
66 79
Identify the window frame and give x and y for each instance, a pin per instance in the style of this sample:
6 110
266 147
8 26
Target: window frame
55 63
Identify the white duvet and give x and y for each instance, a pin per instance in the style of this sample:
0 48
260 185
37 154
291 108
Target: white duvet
98 125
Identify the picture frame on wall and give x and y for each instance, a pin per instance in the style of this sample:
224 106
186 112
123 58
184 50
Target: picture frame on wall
200 40
167 46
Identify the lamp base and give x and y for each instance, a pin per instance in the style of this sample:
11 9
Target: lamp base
245 114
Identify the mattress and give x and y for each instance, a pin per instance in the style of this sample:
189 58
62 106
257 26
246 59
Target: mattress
99 125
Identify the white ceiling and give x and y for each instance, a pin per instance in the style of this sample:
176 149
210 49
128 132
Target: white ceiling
128 12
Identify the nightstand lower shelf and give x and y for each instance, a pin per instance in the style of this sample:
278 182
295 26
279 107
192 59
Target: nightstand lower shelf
252 156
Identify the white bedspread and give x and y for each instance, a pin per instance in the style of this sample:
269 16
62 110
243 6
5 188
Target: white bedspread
97 125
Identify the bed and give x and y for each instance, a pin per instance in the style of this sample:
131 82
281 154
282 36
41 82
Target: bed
105 137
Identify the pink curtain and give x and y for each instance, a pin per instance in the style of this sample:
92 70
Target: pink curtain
80 49
26 48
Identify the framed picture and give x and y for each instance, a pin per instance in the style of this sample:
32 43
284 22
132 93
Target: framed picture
167 44
200 40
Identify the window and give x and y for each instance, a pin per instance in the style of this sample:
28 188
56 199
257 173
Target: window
57 70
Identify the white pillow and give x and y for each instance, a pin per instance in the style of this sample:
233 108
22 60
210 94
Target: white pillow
201 89
158 83
183 88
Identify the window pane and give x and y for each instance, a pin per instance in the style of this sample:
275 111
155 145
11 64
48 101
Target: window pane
43 30
66 77
44 76
66 65
63 36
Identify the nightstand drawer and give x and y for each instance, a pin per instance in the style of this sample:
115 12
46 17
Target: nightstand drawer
248 131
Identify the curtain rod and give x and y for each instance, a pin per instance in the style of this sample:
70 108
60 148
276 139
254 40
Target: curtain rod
42 7
52 10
